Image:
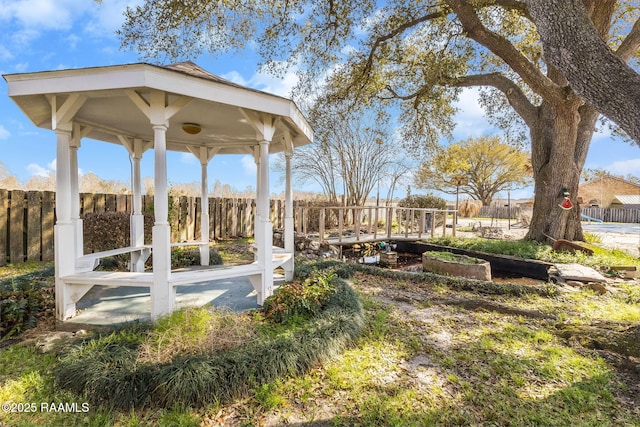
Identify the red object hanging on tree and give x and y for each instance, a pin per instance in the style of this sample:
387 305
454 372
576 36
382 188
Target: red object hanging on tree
566 204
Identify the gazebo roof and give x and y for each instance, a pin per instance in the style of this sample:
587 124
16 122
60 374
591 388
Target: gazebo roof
220 107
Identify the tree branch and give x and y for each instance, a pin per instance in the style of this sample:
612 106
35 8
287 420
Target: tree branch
512 91
395 32
502 48
630 44
572 44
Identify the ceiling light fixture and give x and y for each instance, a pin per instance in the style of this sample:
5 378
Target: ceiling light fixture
191 128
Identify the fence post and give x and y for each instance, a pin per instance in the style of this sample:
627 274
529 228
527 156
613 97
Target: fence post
455 221
340 223
4 221
321 224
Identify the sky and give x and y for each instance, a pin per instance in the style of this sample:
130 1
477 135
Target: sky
40 35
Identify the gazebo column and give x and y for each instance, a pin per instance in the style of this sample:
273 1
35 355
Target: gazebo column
74 145
205 155
256 220
64 230
264 232
204 214
137 218
162 292
289 237
159 113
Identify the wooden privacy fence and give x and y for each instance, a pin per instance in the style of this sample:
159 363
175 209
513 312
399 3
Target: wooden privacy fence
27 219
501 212
613 214
603 214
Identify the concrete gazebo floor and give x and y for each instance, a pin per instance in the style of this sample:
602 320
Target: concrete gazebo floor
105 306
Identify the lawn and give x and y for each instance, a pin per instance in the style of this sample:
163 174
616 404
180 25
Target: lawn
434 351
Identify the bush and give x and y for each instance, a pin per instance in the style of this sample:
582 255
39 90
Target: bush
109 230
313 215
187 256
300 299
424 201
23 301
181 257
420 201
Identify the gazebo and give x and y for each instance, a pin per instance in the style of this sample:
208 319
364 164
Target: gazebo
179 107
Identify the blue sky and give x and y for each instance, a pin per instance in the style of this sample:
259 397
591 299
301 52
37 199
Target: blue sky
40 35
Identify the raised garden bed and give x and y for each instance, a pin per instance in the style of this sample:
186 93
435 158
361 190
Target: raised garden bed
451 264
499 263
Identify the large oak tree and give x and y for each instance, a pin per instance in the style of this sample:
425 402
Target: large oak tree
418 54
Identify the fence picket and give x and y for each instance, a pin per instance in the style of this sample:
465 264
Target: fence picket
16 227
4 205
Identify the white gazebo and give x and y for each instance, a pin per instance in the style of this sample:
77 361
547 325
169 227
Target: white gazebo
178 107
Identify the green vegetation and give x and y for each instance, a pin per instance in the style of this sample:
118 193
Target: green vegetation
431 350
25 295
448 256
602 258
132 367
304 299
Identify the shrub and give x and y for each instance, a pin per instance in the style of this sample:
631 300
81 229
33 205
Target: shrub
313 214
424 201
186 256
23 301
300 299
469 209
110 230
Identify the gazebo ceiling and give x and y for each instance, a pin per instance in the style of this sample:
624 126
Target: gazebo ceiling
218 106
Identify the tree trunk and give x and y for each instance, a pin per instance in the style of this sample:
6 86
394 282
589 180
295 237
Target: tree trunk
559 143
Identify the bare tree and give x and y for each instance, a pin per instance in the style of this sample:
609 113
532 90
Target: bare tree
351 155
8 180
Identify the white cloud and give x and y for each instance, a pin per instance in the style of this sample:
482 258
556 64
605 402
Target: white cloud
36 170
5 54
624 167
266 82
21 67
4 133
109 17
188 158
470 119
44 14
249 165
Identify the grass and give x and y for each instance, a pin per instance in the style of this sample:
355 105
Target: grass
602 258
448 256
423 358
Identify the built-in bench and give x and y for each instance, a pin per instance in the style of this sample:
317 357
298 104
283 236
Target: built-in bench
91 261
178 278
